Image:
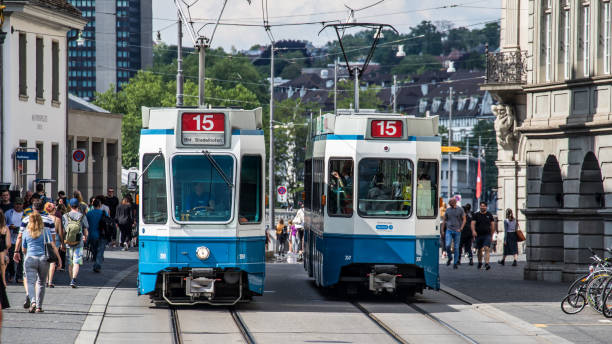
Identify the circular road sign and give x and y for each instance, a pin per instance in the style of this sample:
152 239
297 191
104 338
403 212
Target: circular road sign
78 155
281 190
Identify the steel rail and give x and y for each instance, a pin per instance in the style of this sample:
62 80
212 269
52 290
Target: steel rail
177 337
451 328
244 330
380 323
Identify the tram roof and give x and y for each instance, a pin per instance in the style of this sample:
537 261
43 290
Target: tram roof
356 123
167 118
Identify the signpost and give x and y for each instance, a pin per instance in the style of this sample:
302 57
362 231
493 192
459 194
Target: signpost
79 160
281 194
450 149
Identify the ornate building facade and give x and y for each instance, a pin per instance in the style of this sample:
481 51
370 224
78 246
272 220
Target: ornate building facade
552 78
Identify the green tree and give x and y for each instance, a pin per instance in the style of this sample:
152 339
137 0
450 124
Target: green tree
346 96
417 64
149 89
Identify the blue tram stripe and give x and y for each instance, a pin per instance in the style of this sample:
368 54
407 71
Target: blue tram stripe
373 236
200 238
361 137
425 138
247 132
156 131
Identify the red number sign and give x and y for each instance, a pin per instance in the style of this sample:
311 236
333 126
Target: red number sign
203 128
204 122
384 128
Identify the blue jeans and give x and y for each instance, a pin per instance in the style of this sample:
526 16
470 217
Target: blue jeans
456 236
99 246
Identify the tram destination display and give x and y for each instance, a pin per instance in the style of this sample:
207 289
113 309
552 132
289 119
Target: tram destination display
203 129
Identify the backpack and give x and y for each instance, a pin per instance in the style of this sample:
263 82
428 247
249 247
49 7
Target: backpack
73 231
106 227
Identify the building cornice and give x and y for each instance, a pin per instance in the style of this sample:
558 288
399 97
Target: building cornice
23 9
574 83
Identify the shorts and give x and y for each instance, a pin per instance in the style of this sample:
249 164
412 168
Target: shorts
74 255
483 241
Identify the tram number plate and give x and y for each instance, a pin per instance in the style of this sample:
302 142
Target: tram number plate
386 129
203 129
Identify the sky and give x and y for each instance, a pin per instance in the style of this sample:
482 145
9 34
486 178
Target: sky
402 14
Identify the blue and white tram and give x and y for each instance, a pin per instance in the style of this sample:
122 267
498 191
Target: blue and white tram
201 229
371 202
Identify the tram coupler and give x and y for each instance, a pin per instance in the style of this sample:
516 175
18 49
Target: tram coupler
383 278
200 283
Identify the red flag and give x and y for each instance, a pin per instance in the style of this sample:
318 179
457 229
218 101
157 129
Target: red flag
478 182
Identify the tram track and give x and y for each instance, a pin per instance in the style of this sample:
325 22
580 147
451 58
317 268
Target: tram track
242 327
398 338
177 336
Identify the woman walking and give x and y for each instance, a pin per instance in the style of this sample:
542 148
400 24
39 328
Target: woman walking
59 239
510 238
281 236
125 220
36 265
5 244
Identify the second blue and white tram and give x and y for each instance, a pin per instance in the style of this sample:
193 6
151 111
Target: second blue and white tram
371 202
201 230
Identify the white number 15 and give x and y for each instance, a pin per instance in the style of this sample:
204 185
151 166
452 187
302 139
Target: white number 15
387 128
205 124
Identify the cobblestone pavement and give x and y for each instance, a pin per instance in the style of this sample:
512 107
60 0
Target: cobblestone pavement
536 302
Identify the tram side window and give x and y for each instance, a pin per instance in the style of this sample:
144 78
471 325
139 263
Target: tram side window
154 199
250 189
427 189
308 184
317 185
340 188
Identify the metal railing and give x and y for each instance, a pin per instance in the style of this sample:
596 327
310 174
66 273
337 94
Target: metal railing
506 67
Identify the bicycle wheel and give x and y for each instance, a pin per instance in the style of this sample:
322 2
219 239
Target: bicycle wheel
578 284
573 303
606 301
595 289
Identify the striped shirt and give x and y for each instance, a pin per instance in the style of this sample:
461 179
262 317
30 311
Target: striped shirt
47 223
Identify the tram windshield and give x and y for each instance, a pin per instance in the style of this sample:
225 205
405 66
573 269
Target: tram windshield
385 187
200 190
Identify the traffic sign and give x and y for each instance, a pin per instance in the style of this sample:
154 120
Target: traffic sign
25 155
281 194
79 160
451 149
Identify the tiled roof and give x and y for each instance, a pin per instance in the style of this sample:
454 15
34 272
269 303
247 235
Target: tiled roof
58 5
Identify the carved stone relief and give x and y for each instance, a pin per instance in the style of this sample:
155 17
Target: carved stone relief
505 126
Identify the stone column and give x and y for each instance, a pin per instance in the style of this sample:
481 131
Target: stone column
544 242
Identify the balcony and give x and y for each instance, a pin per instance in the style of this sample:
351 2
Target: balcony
506 68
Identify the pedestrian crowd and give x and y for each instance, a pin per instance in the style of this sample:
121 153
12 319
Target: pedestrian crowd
462 230
39 236
290 236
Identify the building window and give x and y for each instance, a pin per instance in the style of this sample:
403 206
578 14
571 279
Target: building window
55 71
567 20
23 75
547 48
586 32
39 68
607 22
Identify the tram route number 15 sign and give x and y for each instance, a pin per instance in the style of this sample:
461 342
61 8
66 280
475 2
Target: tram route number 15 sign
386 129
203 129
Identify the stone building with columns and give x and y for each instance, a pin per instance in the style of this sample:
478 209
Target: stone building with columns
98 133
552 78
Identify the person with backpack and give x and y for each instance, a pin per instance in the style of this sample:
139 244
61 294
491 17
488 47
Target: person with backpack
75 229
281 236
124 217
96 233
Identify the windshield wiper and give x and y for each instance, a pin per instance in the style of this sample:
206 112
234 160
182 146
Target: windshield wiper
214 163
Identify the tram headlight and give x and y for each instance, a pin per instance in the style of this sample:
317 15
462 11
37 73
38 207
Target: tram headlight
202 252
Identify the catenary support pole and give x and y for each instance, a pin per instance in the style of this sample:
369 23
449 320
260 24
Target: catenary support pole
336 86
479 153
356 71
467 162
201 71
394 93
450 143
271 192
179 64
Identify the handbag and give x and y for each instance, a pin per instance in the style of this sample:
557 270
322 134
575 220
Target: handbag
520 236
49 251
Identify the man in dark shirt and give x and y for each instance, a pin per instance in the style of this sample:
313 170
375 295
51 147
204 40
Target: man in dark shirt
5 203
466 235
483 226
111 201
